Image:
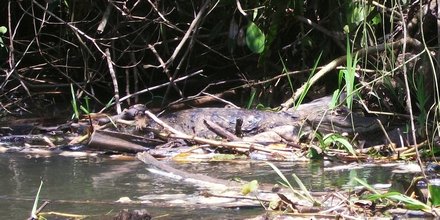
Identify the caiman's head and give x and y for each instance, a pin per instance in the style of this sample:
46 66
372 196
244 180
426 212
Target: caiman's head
321 117
342 120
136 113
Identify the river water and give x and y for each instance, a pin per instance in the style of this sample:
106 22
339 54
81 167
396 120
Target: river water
91 185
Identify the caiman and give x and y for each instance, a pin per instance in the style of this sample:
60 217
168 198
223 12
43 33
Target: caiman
267 126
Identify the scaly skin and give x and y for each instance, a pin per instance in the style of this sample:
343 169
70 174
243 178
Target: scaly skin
287 125
192 121
262 126
318 115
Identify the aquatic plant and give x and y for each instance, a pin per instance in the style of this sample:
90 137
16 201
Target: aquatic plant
303 194
34 214
409 202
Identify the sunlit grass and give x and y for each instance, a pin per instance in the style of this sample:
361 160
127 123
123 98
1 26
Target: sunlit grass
35 206
303 194
308 84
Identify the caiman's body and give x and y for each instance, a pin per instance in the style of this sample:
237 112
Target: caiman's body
266 126
254 122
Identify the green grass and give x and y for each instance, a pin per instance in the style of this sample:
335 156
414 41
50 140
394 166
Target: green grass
332 139
408 202
303 194
308 84
35 206
347 75
84 108
74 103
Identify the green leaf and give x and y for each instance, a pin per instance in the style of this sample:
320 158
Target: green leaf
313 153
286 182
409 202
249 187
308 83
35 206
73 102
376 20
366 185
255 38
434 192
338 139
335 99
3 30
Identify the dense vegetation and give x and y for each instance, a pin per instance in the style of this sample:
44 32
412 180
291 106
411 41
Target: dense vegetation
267 53
374 57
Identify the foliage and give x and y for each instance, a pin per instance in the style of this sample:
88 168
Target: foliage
74 104
3 31
183 49
434 192
349 75
339 140
304 193
255 38
333 139
304 93
422 98
85 108
35 206
249 187
409 202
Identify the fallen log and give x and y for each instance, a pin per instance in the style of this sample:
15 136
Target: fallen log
180 175
121 142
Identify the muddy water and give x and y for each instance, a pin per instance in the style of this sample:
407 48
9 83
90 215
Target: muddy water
89 186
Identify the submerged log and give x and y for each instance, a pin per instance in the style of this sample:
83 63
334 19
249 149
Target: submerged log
115 141
183 176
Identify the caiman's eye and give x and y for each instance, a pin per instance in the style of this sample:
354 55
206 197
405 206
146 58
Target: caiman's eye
340 111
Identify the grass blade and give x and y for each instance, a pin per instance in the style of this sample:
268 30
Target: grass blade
305 190
287 183
74 104
34 207
308 84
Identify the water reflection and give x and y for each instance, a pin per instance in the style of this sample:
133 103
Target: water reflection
91 185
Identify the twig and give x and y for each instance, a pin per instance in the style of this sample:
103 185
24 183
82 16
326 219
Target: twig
390 10
104 20
164 125
40 209
76 30
11 55
408 93
12 63
114 79
165 68
208 194
135 77
170 61
160 86
220 99
219 130
188 32
199 100
391 144
240 9
335 36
